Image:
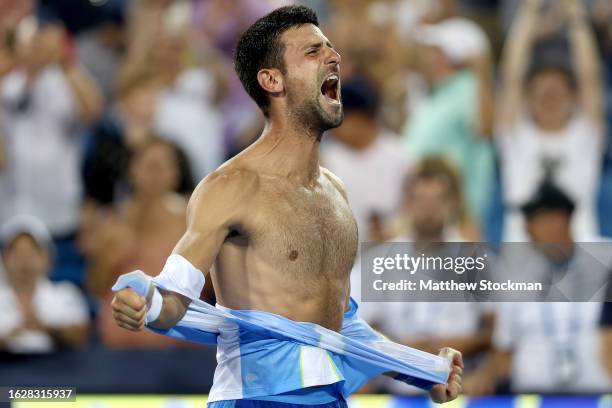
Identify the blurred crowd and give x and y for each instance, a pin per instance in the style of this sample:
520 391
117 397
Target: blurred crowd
465 120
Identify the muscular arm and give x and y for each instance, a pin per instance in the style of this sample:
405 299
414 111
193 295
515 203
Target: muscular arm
214 208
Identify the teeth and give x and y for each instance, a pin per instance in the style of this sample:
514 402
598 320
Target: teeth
332 79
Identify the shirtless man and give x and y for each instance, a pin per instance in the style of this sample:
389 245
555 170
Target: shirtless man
271 228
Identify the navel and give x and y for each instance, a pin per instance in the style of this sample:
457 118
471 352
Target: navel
293 255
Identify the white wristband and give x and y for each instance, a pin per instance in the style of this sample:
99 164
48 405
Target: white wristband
156 307
180 276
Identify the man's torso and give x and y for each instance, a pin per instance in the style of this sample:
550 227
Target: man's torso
291 253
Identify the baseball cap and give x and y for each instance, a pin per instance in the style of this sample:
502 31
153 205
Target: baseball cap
28 225
458 38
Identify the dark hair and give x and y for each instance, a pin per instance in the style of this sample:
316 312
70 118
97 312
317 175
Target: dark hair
548 197
540 66
185 182
260 47
359 95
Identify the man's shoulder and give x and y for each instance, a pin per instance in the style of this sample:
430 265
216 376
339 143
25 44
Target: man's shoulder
335 180
229 176
229 183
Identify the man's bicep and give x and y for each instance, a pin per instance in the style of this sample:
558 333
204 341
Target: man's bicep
214 207
200 248
201 243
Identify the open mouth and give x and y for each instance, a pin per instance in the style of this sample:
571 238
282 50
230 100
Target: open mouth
331 89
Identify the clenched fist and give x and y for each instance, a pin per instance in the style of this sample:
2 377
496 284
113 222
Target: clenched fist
441 393
129 309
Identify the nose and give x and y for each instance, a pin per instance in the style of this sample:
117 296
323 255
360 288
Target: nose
333 58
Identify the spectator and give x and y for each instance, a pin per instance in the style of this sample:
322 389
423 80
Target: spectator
139 234
552 345
454 119
127 125
433 205
37 315
560 129
43 100
368 159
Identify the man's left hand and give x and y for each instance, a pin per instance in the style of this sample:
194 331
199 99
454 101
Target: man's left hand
441 393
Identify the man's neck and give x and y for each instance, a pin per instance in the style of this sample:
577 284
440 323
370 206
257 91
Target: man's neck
290 151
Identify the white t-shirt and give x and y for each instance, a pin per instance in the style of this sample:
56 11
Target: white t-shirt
186 116
56 305
577 152
42 176
549 341
373 176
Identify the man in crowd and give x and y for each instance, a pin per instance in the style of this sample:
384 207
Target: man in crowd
550 345
550 117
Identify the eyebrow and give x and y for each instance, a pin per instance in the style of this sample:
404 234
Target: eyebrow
319 45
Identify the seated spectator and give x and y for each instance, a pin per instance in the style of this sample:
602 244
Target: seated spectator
432 206
435 209
451 119
139 234
550 346
550 119
368 159
38 316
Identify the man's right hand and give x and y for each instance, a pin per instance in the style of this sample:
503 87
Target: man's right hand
129 309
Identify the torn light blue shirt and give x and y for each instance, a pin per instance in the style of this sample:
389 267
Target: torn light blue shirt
262 354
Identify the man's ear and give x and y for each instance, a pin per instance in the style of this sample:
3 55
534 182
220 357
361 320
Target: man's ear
271 80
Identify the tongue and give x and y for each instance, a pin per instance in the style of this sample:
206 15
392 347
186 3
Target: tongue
328 89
